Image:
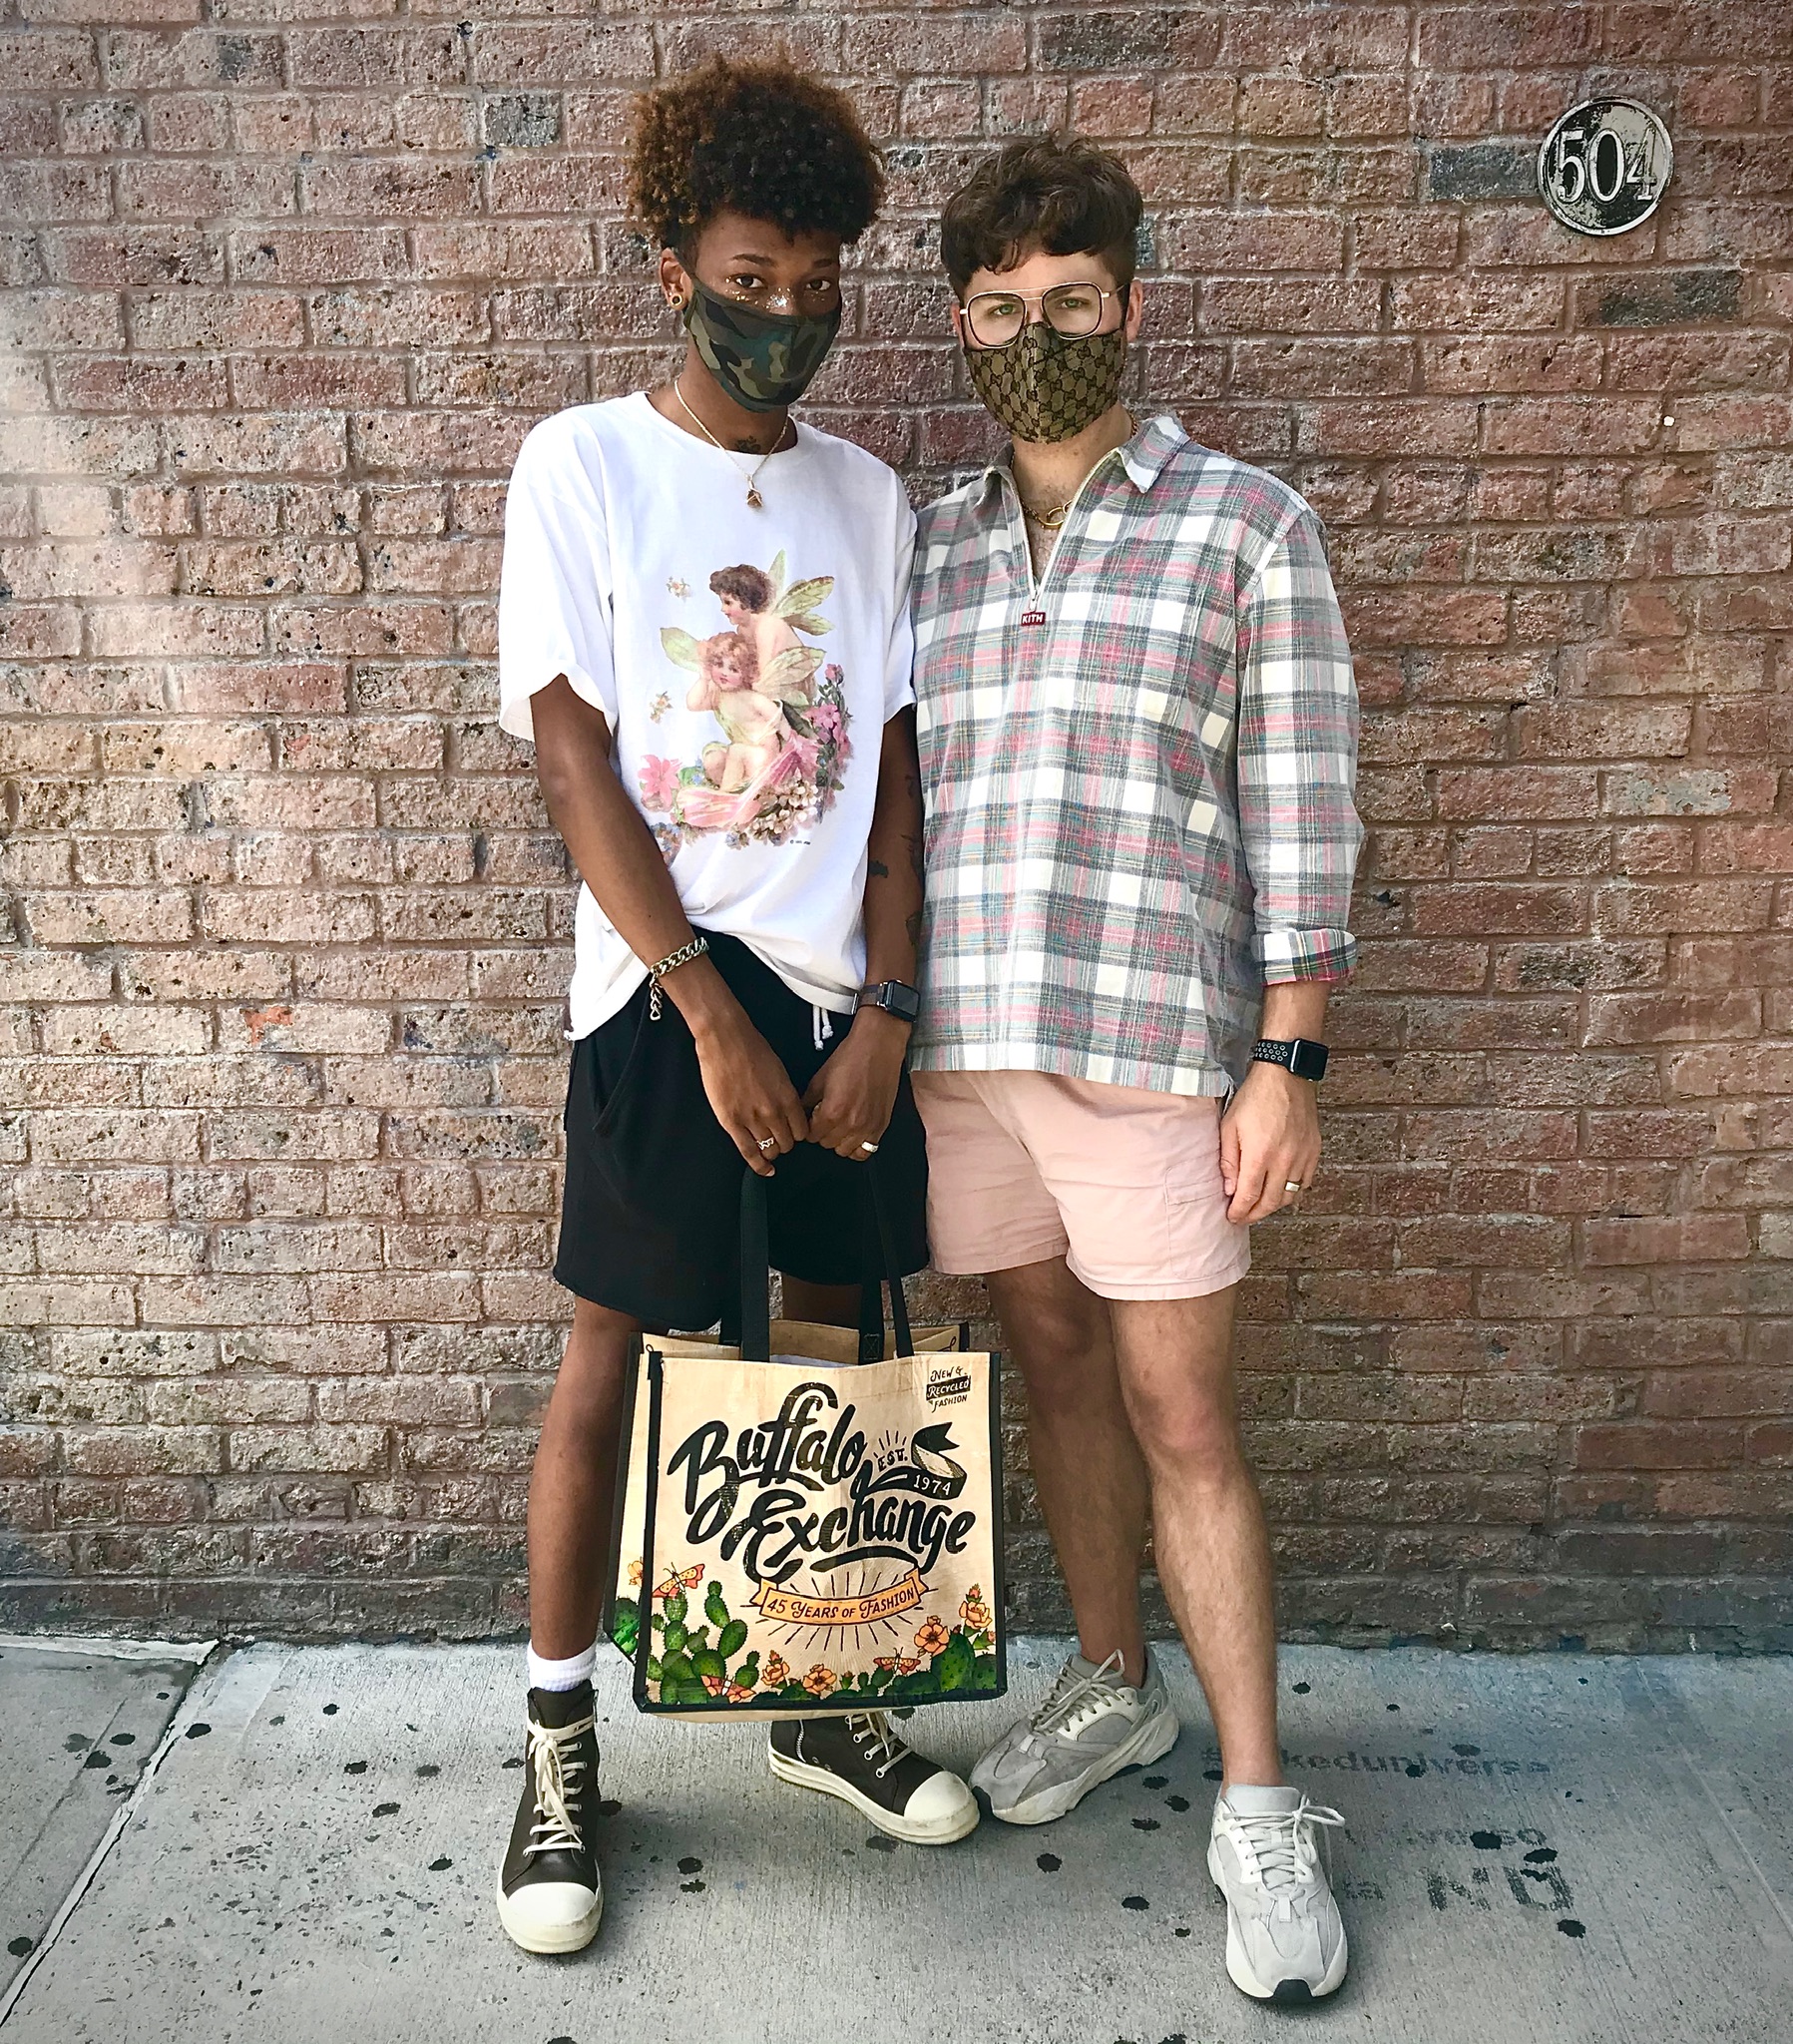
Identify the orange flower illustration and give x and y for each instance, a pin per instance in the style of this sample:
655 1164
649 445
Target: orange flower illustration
820 1680
714 1684
776 1673
741 1691
973 1610
635 1575
932 1637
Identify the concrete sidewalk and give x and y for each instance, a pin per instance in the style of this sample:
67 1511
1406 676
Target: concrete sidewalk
1558 1850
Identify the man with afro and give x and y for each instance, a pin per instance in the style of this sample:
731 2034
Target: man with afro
750 859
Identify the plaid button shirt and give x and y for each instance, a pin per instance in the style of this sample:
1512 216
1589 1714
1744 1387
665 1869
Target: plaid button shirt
1137 772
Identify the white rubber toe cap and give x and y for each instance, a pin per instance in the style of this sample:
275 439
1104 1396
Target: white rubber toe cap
551 1916
942 1800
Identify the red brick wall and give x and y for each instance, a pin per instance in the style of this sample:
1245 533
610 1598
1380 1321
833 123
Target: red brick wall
284 285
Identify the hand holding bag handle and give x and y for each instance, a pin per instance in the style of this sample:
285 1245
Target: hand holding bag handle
755 1336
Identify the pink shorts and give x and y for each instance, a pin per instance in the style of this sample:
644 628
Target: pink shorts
1122 1183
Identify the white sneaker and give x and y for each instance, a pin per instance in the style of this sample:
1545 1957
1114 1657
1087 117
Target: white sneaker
1284 1939
1091 1727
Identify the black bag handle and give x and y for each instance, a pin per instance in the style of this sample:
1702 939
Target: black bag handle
753 1332
871 1300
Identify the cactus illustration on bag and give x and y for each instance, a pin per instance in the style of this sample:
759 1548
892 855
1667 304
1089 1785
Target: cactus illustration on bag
689 1669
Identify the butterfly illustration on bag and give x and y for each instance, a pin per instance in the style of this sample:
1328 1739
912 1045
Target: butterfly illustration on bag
680 1579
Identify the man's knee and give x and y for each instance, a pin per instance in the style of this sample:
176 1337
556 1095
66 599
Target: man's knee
1062 1352
1192 1434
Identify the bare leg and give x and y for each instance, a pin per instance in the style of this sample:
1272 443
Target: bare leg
573 1483
1086 1463
1213 1552
826 1306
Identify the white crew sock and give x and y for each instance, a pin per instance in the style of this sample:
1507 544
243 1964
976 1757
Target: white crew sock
568 1674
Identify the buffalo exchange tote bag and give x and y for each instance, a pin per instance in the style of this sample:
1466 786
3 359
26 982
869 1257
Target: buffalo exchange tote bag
811 1518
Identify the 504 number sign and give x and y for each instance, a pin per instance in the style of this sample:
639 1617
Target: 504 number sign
1603 167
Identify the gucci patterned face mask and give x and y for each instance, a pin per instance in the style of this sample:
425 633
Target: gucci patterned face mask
1044 387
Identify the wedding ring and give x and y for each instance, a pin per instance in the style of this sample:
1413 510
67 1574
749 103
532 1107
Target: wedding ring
870 1149
768 1142
1292 1185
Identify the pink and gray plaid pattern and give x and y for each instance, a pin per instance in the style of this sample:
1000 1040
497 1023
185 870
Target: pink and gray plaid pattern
1137 775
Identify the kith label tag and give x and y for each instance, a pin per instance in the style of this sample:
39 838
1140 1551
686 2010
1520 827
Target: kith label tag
1033 617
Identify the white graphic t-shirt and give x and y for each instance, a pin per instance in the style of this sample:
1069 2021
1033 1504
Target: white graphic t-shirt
746 660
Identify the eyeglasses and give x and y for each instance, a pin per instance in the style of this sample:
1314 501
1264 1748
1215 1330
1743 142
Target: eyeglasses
999 319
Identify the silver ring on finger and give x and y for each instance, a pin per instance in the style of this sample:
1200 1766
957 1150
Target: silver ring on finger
768 1143
870 1149
1293 1185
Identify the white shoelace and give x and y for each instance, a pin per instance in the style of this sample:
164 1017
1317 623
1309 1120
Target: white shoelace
1280 1847
880 1743
557 1771
1076 1701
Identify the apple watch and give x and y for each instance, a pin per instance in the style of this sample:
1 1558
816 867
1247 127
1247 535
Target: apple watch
1297 1054
893 996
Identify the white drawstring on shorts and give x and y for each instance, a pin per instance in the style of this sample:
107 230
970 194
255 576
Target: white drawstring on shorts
821 1022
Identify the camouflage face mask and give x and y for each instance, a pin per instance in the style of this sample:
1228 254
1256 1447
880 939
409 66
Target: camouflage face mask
765 361
1043 386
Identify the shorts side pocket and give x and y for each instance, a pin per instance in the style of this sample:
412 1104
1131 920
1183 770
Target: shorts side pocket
608 1095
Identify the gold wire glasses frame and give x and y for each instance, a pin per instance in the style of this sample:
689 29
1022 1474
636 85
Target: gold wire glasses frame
999 319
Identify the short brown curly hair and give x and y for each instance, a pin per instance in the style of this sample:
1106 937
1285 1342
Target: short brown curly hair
758 137
750 587
1067 196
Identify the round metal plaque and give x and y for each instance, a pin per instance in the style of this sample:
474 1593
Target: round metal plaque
1604 166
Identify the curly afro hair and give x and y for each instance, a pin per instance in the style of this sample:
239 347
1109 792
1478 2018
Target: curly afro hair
761 139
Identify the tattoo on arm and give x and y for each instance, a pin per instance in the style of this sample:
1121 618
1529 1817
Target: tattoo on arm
877 869
913 927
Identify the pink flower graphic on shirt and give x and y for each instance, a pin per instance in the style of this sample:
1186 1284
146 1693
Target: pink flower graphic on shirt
659 782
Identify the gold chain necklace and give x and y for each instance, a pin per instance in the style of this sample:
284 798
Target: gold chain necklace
754 499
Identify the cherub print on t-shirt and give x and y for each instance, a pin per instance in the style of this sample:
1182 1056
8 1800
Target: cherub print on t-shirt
783 746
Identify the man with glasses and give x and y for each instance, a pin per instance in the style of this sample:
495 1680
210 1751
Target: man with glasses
1137 741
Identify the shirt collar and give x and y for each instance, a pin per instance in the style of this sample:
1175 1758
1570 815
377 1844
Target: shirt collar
1142 458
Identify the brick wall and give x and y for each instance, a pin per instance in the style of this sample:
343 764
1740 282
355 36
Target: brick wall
285 282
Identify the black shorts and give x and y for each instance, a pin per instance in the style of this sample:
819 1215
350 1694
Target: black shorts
651 1215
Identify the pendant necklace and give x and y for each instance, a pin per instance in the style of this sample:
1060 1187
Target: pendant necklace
755 500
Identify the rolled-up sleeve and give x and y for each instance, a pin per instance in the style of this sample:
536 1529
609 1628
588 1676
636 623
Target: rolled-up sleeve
1298 759
554 587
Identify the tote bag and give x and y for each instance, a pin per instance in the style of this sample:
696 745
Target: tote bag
811 1519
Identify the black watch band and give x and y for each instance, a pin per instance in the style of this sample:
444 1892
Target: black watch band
1297 1054
893 996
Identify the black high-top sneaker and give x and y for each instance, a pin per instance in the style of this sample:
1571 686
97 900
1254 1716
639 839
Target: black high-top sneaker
550 1897
862 1761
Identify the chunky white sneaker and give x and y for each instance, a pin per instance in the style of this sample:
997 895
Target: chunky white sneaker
1284 1939
1091 1727
550 1894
